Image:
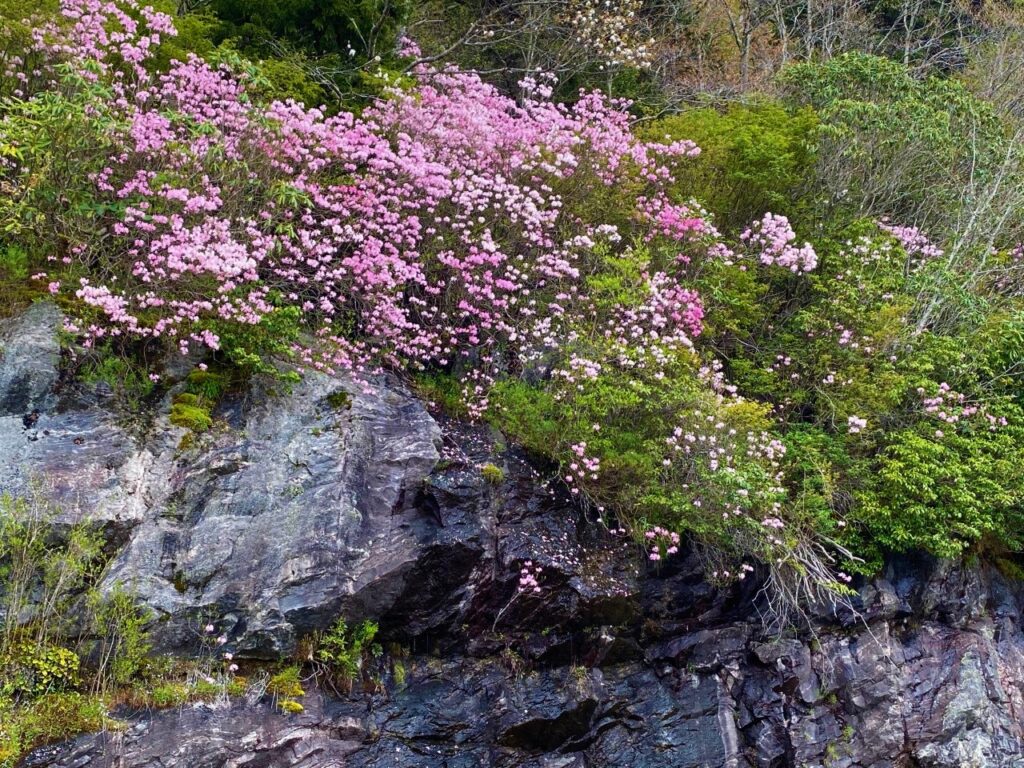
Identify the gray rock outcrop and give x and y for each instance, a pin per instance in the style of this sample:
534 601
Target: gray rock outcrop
336 499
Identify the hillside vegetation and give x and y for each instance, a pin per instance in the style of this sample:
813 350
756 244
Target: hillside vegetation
733 271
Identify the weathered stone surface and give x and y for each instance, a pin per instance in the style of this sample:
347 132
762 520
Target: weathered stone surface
301 513
29 355
299 507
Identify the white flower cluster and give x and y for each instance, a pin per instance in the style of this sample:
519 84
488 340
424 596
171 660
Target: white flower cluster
612 29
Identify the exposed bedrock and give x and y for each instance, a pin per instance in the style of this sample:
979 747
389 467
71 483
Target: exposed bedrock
334 499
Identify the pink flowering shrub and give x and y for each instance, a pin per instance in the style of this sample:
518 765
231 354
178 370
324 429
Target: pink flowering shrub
445 223
900 423
771 241
536 253
915 243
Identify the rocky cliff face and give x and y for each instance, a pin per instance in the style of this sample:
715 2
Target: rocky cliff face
335 500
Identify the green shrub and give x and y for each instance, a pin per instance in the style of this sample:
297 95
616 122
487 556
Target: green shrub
288 78
754 158
287 683
847 345
893 144
340 400
945 494
120 624
42 573
342 650
251 349
29 670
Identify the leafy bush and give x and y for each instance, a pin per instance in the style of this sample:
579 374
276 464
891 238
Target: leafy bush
287 683
28 670
120 624
321 27
945 493
891 144
344 42
342 651
286 687
41 574
754 158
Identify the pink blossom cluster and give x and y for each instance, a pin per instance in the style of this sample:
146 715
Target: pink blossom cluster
771 238
916 244
447 226
106 33
583 469
952 407
661 541
725 575
528 577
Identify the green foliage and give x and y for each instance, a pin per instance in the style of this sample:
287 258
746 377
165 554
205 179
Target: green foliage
894 145
287 683
340 400
441 391
754 158
286 687
126 377
399 672
189 411
207 385
492 474
14 263
41 574
120 623
55 135
946 494
169 694
250 349
28 670
199 33
345 42
288 78
634 413
321 27
204 387
343 650
52 717
846 345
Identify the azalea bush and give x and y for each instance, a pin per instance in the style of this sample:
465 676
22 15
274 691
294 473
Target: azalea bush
899 435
